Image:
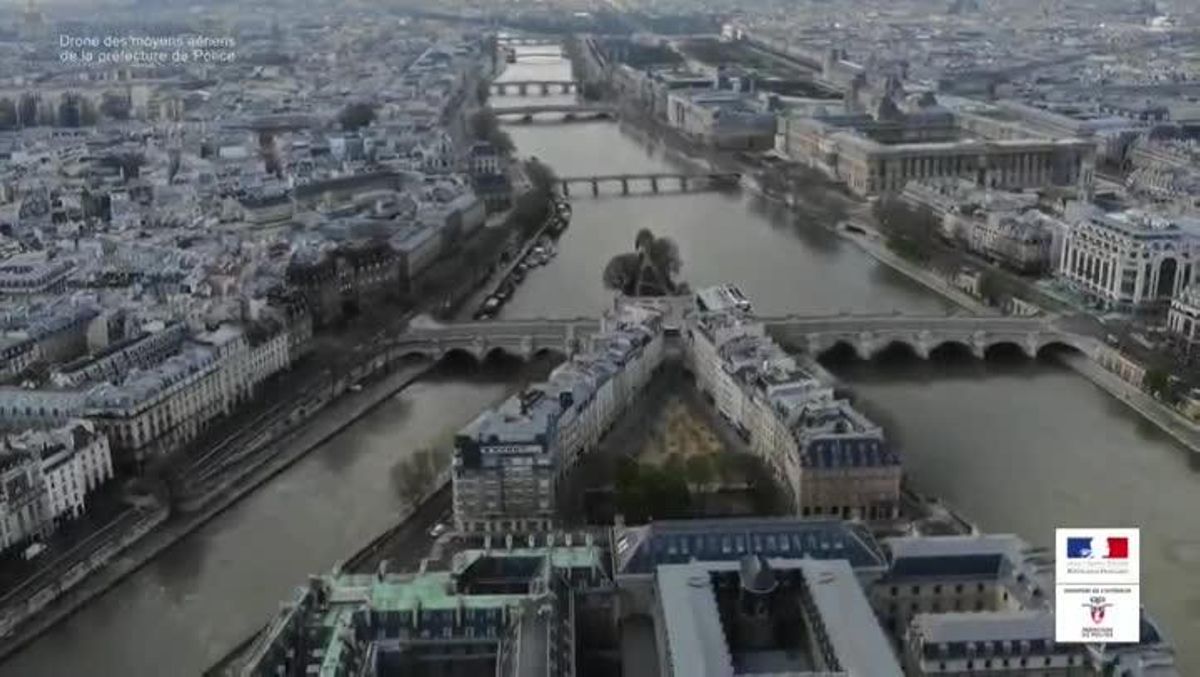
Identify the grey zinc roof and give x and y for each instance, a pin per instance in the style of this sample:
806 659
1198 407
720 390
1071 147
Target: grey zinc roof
698 645
638 550
997 626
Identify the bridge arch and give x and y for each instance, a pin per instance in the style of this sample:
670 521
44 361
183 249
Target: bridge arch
896 348
1002 348
839 350
459 353
1059 344
499 354
415 353
548 351
953 349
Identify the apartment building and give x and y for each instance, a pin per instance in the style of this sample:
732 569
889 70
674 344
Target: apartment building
509 460
829 458
47 477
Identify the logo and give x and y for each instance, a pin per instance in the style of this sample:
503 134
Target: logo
1116 547
1096 605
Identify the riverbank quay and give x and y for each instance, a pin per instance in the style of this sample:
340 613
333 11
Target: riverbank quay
291 447
465 306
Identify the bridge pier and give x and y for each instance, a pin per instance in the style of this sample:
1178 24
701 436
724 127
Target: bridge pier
595 188
624 186
683 183
522 90
566 188
545 89
654 183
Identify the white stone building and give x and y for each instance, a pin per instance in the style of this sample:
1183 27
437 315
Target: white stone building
830 458
1128 261
1183 320
47 476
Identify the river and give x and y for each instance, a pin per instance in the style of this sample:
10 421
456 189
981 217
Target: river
1017 447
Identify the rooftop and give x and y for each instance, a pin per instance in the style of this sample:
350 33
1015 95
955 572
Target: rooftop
640 549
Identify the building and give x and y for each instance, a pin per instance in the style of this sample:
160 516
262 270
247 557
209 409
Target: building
760 616
1020 242
345 277
1001 226
721 118
24 511
76 460
119 358
847 467
1183 320
506 612
964 604
34 273
881 154
509 460
47 476
828 457
1127 261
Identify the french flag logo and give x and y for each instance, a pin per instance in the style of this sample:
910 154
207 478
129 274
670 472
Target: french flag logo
1098 548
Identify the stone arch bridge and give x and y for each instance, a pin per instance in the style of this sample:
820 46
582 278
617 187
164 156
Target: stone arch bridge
866 335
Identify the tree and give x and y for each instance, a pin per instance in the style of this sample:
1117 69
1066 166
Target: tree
483 90
664 255
415 475
700 469
993 288
27 110
541 176
621 273
649 270
643 240
70 110
910 232
356 116
485 126
1156 382
9 118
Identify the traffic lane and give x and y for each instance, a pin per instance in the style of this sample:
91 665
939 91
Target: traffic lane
411 542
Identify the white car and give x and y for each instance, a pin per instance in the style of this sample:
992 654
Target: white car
437 530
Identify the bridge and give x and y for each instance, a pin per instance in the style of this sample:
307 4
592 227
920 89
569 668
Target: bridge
524 87
924 335
571 109
520 338
866 335
684 180
527 40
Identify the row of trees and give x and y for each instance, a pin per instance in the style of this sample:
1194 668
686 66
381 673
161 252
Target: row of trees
910 231
72 110
646 491
649 270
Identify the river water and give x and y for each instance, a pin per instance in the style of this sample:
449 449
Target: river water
1017 447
